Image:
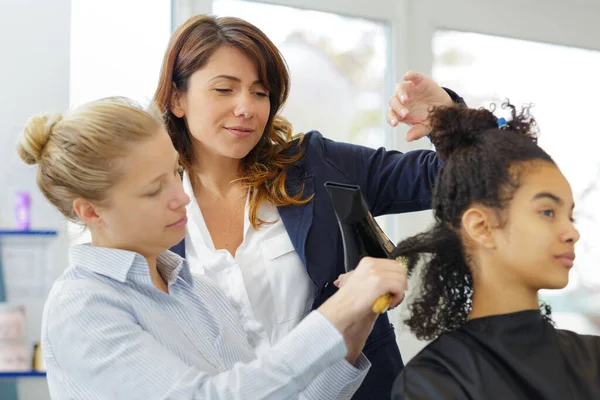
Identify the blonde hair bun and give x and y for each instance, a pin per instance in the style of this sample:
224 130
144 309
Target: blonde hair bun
35 137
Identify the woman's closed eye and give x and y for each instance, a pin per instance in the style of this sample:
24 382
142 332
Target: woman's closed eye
154 193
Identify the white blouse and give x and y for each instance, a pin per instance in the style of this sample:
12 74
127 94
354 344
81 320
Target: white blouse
266 281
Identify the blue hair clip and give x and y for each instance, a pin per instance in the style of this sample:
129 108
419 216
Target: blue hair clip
502 124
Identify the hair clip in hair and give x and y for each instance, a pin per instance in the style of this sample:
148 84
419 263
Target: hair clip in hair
502 124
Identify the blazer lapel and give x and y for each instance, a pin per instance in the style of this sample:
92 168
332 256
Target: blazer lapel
298 219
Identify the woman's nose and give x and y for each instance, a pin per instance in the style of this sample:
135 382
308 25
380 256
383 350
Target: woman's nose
245 107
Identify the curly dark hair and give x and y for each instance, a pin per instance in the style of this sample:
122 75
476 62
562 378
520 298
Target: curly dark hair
482 164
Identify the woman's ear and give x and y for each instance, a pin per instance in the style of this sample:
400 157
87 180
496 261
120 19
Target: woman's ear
86 211
478 224
176 106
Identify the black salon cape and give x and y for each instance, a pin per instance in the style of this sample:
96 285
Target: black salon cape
504 357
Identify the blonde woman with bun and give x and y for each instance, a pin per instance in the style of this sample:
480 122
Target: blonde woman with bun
127 320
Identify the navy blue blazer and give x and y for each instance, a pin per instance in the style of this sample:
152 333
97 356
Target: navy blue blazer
392 182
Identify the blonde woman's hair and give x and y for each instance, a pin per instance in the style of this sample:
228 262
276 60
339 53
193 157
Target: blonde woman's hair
77 154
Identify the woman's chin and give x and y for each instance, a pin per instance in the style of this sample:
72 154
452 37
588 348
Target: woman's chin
175 239
560 282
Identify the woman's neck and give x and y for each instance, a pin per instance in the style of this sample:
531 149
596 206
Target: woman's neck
156 277
215 173
100 240
496 298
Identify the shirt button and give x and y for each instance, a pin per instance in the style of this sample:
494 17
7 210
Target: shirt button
220 368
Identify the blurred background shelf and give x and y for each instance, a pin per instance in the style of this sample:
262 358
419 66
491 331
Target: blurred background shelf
27 259
22 374
27 233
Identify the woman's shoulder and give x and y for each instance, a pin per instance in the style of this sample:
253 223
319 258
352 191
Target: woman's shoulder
76 278
311 145
320 150
578 344
450 342
303 141
433 372
446 355
77 289
315 139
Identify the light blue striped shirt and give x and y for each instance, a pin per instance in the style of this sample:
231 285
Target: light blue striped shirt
109 333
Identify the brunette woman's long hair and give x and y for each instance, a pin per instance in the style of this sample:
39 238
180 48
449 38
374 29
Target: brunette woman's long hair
266 165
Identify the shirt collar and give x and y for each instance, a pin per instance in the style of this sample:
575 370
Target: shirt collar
187 184
119 264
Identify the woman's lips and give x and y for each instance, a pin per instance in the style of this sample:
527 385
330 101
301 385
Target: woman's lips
566 259
239 131
181 222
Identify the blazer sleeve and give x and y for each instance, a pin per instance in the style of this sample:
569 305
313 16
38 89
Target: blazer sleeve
392 182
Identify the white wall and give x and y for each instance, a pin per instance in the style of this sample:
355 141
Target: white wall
34 77
569 23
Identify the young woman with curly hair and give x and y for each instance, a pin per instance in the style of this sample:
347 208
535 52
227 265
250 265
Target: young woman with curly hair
503 230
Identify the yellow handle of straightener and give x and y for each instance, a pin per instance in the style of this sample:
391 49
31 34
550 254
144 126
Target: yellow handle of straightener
382 304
